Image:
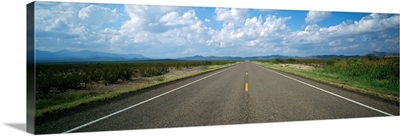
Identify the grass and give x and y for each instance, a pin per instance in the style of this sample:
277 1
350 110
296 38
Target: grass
377 77
53 102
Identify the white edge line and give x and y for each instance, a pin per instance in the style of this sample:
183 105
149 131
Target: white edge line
140 103
350 100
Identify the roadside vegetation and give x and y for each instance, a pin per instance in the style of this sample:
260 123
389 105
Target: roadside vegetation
62 86
374 76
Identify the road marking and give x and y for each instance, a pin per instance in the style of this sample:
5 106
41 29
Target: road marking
247 87
342 97
130 107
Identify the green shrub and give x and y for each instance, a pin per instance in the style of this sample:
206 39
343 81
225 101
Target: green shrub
65 76
291 60
278 60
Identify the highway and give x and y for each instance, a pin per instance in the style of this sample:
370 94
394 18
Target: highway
244 93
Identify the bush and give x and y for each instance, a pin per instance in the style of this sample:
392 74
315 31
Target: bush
278 60
382 70
65 76
291 60
330 62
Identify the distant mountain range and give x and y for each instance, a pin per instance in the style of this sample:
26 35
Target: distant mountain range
84 55
270 57
198 57
382 54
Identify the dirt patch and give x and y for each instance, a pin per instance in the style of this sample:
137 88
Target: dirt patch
174 72
298 66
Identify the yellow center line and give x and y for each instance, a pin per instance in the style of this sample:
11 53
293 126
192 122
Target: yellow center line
247 87
247 80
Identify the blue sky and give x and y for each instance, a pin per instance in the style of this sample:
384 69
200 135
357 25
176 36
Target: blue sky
173 32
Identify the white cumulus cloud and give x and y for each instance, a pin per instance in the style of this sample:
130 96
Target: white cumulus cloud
247 33
173 18
368 33
371 23
96 15
316 16
230 15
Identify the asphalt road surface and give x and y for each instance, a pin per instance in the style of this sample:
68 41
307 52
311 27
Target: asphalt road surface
218 98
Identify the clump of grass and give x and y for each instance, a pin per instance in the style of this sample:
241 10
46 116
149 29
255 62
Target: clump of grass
56 98
375 76
160 78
